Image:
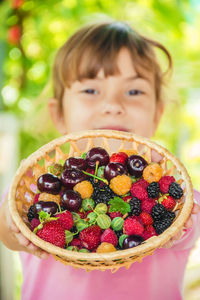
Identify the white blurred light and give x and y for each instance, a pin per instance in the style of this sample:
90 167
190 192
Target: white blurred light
15 54
10 95
25 104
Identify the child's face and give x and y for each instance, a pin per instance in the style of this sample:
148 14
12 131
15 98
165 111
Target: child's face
123 102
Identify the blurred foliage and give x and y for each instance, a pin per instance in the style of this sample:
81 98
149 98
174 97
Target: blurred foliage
32 31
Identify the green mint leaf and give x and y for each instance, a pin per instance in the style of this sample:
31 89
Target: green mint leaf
83 155
68 236
118 204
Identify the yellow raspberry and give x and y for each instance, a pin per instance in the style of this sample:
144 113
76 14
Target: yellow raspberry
84 188
105 248
129 152
121 184
153 172
49 197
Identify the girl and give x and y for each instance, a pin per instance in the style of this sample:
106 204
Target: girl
106 76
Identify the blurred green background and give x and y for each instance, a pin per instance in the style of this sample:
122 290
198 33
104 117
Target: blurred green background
32 31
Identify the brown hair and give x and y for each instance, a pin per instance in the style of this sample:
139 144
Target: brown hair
96 46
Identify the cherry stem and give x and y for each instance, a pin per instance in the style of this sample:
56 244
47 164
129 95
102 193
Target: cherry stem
94 176
96 168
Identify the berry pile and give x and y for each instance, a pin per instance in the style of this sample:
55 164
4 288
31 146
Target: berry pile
101 203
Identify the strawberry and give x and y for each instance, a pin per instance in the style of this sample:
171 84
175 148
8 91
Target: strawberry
90 237
65 219
168 202
119 157
53 232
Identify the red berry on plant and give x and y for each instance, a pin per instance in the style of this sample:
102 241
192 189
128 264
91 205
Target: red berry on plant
65 219
109 236
133 226
165 182
139 192
146 218
90 237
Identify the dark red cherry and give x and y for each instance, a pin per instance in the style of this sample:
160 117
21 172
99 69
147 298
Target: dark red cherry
70 177
136 165
50 207
71 200
75 162
49 183
97 154
132 241
113 169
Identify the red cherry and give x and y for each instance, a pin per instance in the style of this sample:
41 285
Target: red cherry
14 34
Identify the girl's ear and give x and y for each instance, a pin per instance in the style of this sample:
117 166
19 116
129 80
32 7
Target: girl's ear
57 115
159 112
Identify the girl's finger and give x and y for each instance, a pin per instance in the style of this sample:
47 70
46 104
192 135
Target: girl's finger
188 223
196 209
23 241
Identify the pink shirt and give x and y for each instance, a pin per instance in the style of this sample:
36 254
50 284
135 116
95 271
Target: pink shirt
159 276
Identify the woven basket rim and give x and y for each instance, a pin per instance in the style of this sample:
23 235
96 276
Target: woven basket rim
151 244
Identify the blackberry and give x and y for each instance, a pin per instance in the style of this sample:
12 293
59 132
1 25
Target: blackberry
162 225
170 215
101 194
158 212
135 205
30 213
175 190
153 189
74 230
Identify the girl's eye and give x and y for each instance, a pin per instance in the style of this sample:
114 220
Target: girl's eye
134 92
90 91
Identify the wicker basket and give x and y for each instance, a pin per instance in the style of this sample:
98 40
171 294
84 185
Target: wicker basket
21 193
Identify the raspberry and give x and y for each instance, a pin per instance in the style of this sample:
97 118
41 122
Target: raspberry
147 205
105 248
36 198
119 157
49 197
84 188
141 182
139 192
165 182
120 184
146 218
129 152
153 190
53 232
148 232
90 237
30 213
133 226
77 243
34 223
109 236
66 219
175 190
153 172
158 212
135 205
115 214
168 202
127 198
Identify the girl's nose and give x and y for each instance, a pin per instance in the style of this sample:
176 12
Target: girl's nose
113 108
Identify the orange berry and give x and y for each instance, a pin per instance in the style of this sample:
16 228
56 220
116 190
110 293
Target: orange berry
49 197
153 172
129 152
121 184
105 248
84 188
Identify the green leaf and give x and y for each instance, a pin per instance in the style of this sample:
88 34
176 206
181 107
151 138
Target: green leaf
83 155
118 204
68 236
121 239
100 172
43 216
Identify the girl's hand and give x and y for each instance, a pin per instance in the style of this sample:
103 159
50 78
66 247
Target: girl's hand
13 238
188 224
